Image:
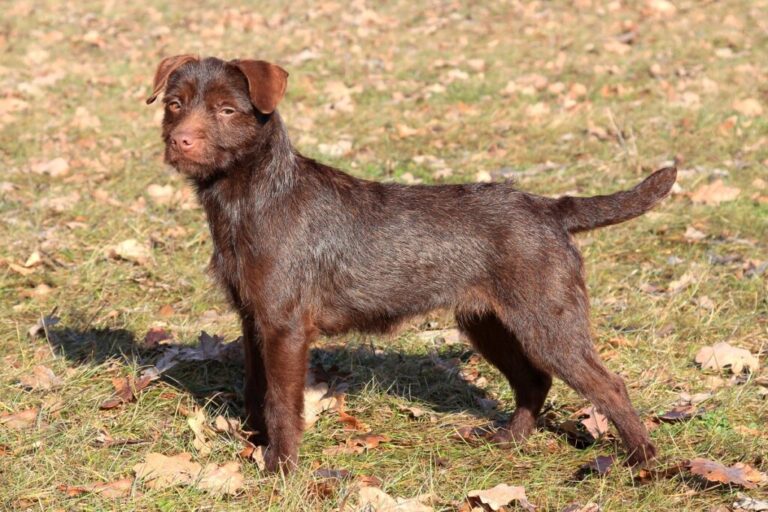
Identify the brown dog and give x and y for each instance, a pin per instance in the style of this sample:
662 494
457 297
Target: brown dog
304 249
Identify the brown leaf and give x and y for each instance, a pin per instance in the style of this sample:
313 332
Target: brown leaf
349 421
220 480
20 420
373 498
575 507
159 471
357 444
117 489
166 311
694 235
714 193
600 465
198 424
595 422
103 439
41 378
749 107
648 475
155 335
254 454
679 413
739 474
130 250
500 496
368 481
54 168
126 388
42 326
160 194
316 401
722 355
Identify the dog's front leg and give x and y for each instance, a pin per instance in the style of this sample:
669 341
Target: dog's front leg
284 352
255 388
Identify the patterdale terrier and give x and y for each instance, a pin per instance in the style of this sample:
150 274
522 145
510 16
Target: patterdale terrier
303 249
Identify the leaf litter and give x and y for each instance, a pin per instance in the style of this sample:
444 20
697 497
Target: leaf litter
160 471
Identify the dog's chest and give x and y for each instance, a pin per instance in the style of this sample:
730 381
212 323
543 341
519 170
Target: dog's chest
235 247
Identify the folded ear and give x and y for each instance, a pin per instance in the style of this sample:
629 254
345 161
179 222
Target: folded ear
266 83
167 66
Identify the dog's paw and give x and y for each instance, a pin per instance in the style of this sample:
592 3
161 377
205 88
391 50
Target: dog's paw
642 455
278 460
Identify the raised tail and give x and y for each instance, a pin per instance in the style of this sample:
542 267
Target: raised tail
585 213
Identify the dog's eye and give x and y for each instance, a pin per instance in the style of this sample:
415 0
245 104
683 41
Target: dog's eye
174 106
227 111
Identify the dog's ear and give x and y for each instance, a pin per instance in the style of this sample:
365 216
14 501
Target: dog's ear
266 83
167 66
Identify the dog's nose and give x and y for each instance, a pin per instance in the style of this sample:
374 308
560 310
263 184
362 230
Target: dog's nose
184 141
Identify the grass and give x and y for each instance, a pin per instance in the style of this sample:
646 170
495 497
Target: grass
57 58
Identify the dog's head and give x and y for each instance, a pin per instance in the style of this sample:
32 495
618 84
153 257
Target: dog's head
215 110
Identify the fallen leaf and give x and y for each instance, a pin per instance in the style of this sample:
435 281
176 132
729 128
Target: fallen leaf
54 168
226 425
160 194
575 507
483 177
159 471
254 454
679 413
441 336
694 235
749 107
126 388
357 445
33 260
338 149
130 250
349 421
316 401
117 489
751 504
103 439
739 474
155 335
595 422
198 424
368 481
722 355
714 193
373 498
166 311
220 480
662 8
600 465
416 412
41 378
500 496
212 348
20 420
681 283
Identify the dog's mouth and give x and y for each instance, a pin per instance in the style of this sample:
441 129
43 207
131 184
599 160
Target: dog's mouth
187 163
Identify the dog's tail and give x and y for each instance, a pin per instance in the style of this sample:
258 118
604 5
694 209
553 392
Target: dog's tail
585 213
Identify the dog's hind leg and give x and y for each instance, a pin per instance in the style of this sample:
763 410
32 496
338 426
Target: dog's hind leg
502 349
558 340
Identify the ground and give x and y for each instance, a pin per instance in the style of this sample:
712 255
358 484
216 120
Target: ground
580 97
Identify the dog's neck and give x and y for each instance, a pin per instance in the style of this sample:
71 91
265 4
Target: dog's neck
268 169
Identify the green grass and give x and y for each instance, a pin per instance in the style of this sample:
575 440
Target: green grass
106 306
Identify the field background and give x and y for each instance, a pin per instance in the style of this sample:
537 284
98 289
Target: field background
578 97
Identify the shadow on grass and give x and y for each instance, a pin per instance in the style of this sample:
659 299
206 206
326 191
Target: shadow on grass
354 367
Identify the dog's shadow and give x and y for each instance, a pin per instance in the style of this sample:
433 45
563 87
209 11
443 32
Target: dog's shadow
431 379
